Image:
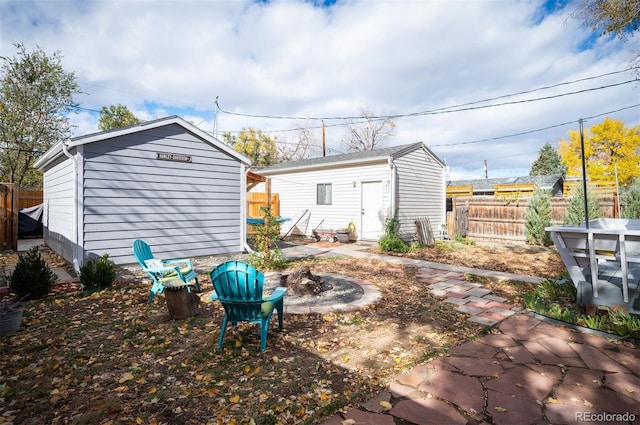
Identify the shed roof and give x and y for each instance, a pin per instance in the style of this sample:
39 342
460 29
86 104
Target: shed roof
56 151
351 158
487 185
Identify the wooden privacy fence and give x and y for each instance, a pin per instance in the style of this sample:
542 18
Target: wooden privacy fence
30 198
256 200
497 219
600 187
8 217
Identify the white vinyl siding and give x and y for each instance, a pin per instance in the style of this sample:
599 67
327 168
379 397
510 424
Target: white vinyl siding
420 191
411 179
297 192
57 217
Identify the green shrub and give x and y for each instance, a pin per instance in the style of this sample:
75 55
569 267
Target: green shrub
393 243
558 301
631 202
538 218
575 208
597 322
464 240
267 255
32 277
391 240
624 324
97 273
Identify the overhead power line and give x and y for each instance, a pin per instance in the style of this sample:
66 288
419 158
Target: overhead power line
522 133
453 108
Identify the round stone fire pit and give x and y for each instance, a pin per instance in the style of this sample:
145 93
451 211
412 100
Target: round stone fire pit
347 293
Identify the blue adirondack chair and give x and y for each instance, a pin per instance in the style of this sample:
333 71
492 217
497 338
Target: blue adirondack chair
177 272
238 286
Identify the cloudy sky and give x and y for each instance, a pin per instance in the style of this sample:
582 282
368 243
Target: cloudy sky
475 80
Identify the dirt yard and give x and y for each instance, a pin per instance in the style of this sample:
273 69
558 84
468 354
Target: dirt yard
112 358
520 259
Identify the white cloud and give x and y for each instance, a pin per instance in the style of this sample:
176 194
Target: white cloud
289 58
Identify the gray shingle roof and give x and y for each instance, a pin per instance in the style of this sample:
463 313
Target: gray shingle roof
373 154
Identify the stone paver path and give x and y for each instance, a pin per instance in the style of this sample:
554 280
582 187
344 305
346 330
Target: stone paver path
526 371
529 372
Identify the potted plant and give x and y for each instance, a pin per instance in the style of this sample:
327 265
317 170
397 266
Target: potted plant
345 234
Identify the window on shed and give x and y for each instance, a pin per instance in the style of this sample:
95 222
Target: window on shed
323 194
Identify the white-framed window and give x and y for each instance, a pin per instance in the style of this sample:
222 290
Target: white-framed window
323 194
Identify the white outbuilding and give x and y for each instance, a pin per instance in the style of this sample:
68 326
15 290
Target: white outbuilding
364 188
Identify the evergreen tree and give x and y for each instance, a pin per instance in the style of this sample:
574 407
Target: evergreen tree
538 218
549 162
631 202
575 207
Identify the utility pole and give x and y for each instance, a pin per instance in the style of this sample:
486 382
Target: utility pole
486 171
324 142
584 175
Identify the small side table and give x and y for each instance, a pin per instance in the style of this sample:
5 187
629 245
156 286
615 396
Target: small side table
182 299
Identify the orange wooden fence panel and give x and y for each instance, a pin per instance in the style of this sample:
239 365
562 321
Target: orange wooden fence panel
601 187
459 191
256 200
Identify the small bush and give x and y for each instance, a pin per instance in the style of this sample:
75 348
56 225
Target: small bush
391 240
267 254
393 243
32 277
464 240
97 273
631 202
558 301
538 218
574 213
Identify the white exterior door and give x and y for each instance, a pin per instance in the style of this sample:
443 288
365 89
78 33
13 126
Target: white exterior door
372 222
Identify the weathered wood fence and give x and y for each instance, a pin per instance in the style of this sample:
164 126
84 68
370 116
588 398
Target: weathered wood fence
8 217
504 220
29 198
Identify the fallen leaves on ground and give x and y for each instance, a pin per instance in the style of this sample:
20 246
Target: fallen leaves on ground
114 358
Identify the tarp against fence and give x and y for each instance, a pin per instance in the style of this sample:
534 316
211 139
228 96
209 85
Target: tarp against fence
30 221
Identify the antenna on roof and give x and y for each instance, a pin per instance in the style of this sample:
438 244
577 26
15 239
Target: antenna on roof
215 118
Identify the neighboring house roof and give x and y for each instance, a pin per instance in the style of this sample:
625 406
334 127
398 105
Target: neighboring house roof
57 150
347 159
487 185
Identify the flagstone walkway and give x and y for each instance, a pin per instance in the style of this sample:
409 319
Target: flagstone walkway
526 371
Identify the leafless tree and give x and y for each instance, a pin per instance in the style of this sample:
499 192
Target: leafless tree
304 145
369 131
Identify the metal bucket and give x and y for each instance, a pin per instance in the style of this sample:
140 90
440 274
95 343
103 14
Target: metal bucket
10 317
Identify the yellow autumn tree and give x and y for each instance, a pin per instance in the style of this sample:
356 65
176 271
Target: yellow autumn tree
258 147
606 145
